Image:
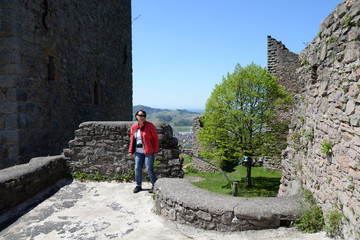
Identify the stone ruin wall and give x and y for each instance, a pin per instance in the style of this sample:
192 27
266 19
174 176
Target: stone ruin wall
197 163
103 147
282 64
62 62
328 109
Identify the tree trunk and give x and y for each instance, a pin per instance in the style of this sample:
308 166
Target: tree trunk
248 173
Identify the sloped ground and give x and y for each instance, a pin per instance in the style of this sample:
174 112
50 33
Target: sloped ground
101 210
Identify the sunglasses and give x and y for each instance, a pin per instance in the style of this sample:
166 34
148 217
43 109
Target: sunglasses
142 115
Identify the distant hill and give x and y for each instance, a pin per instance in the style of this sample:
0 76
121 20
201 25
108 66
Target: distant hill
176 118
150 110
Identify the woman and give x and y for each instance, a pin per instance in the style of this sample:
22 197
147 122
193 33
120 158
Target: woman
144 143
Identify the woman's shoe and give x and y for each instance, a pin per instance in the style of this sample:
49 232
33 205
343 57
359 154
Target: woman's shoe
137 189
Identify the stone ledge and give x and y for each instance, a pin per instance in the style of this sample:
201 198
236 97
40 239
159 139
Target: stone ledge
181 201
20 182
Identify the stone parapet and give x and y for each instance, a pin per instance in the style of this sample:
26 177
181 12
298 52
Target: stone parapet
180 201
103 147
20 182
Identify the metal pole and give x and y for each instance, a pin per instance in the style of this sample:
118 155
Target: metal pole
235 190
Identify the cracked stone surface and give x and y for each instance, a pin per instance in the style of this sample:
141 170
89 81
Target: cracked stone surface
102 210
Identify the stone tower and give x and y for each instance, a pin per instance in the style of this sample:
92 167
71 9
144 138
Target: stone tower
282 64
62 62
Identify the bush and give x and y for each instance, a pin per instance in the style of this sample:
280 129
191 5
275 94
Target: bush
312 218
97 177
190 169
333 219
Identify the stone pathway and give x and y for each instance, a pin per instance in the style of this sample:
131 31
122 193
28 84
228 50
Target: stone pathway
101 210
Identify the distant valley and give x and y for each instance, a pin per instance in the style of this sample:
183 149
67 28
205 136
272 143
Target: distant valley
181 120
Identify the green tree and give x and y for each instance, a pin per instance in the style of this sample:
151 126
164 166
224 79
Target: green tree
164 118
240 118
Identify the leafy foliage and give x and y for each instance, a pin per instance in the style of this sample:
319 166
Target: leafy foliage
333 219
347 20
312 219
326 147
240 117
98 177
190 169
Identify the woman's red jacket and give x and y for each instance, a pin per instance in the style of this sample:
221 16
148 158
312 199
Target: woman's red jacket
149 138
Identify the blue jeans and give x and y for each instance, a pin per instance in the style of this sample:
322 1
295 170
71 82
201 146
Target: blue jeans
140 158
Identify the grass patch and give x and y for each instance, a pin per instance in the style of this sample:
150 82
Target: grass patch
265 183
187 159
83 177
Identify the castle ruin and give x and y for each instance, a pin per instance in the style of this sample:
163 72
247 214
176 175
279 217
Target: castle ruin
323 147
323 152
60 65
62 62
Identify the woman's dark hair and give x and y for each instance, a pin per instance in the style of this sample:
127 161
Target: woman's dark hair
141 110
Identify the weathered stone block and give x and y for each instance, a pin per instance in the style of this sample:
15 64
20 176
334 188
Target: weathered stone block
204 215
2 96
8 108
172 214
11 122
265 224
350 107
10 137
350 54
13 151
8 56
227 218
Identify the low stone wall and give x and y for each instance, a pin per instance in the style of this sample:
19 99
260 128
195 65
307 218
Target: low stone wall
179 200
20 182
272 163
104 147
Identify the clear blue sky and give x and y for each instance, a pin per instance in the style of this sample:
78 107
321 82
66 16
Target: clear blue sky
182 48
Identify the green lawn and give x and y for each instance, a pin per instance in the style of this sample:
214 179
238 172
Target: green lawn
187 159
265 183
